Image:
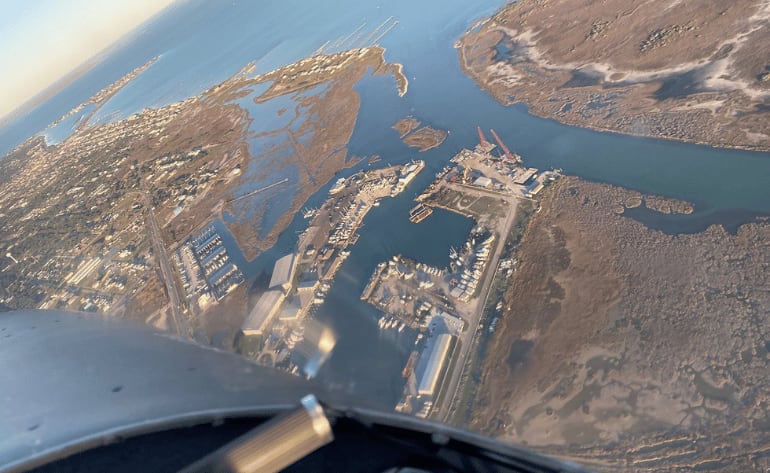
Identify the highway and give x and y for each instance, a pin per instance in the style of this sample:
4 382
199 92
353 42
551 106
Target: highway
179 324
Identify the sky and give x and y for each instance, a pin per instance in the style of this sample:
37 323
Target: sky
43 40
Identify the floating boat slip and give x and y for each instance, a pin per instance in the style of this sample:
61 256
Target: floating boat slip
419 213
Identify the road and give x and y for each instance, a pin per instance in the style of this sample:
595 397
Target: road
467 337
179 325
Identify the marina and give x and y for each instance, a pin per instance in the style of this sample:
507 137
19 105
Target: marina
205 268
274 332
445 304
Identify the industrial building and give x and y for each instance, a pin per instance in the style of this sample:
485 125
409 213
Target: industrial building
439 353
263 312
444 322
290 310
522 176
283 273
482 181
308 286
534 188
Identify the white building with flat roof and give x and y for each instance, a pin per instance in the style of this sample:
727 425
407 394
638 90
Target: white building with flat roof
482 181
283 272
262 314
429 381
290 310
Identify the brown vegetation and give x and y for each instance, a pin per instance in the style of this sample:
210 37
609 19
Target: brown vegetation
406 126
422 138
691 71
628 346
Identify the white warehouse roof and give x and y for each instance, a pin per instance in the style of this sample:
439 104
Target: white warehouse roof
438 354
283 272
262 313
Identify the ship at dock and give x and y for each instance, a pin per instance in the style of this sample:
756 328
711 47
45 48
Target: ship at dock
419 213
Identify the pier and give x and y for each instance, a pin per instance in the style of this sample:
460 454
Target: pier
419 213
258 191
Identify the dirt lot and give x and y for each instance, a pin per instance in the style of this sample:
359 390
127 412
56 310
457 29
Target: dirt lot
693 71
149 305
625 346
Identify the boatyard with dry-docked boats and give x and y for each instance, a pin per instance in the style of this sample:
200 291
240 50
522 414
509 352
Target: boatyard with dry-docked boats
446 305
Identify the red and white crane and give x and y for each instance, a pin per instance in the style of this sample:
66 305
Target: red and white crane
482 139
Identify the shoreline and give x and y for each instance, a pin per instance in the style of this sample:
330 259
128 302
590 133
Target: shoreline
530 109
703 84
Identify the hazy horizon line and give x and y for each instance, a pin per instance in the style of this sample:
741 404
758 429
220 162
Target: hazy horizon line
78 71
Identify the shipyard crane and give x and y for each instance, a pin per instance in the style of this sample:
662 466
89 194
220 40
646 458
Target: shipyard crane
482 139
505 149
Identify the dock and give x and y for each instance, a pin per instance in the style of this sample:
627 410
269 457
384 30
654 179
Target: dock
410 363
372 284
419 213
523 175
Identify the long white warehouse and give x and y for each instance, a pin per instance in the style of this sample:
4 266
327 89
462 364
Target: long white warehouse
438 358
283 273
262 313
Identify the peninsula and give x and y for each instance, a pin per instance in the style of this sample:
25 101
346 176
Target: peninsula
690 71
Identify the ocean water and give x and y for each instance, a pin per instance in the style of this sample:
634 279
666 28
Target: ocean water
57 133
200 43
